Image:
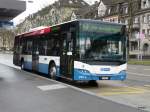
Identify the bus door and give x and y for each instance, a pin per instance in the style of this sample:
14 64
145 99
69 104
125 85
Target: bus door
35 56
66 57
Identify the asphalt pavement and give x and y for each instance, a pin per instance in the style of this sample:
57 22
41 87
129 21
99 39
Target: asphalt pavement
134 91
139 73
21 91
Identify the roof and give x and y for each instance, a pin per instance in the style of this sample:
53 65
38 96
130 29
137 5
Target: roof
10 9
110 2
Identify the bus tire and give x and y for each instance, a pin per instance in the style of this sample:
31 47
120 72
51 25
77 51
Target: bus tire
92 82
22 65
52 71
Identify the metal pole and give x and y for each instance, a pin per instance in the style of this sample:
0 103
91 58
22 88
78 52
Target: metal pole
138 48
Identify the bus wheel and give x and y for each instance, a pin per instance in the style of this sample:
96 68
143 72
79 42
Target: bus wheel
22 65
52 71
92 83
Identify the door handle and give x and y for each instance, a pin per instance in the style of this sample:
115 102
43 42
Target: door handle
45 58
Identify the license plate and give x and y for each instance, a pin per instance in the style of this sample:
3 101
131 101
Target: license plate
105 69
105 78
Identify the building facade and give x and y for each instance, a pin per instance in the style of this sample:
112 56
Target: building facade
136 15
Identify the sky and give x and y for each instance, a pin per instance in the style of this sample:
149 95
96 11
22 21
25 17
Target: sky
35 6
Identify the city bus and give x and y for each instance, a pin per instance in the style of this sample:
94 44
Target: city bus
79 50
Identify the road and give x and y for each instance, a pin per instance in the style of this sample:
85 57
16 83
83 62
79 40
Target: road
135 91
139 73
21 91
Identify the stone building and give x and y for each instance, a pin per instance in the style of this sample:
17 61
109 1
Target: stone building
144 23
136 15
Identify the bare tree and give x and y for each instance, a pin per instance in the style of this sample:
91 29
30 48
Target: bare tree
134 6
7 38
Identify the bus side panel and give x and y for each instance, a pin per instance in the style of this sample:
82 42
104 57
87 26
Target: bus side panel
43 68
44 64
27 61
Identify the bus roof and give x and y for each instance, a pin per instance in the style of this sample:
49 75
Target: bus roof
37 31
88 20
46 29
100 21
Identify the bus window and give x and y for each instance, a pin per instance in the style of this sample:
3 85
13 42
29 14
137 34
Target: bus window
50 44
56 48
43 47
27 47
16 45
24 44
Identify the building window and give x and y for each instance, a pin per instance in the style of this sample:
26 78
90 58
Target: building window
148 3
148 31
70 2
143 31
144 19
144 4
145 48
126 10
122 21
126 21
136 20
109 11
148 19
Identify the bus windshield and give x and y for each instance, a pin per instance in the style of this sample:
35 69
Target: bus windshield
101 43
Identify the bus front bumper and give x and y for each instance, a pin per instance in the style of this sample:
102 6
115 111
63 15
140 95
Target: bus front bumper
85 75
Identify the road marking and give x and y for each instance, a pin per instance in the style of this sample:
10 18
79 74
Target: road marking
51 87
131 68
147 69
138 74
146 85
123 90
118 93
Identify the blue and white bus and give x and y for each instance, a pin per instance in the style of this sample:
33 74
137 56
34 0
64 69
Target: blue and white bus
81 50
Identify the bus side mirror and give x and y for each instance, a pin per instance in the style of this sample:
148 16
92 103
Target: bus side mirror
69 36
